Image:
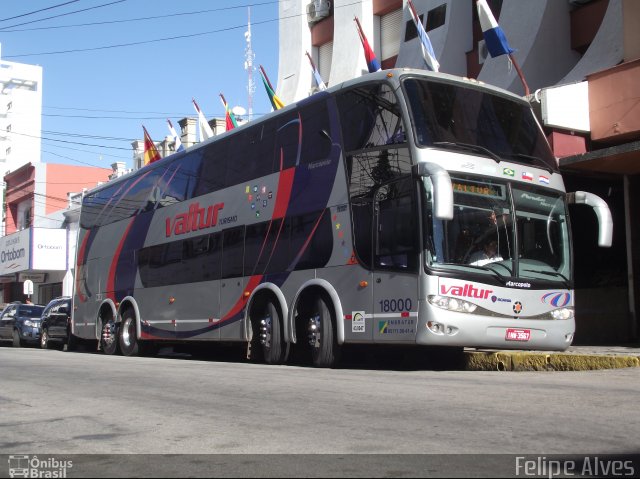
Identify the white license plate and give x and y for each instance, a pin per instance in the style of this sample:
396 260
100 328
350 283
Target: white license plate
518 335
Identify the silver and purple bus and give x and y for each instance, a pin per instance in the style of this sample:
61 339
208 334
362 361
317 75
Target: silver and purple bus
403 207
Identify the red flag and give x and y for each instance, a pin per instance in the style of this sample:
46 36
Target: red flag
230 118
151 153
372 61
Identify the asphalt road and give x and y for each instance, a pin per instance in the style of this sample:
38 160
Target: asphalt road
241 419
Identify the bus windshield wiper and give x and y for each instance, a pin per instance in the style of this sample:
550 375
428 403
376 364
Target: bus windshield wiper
470 147
549 273
534 158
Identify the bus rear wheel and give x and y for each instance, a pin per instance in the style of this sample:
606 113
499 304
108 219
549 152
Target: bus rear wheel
109 338
129 335
270 334
321 334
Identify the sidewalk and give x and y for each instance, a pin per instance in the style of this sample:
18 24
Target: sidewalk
576 358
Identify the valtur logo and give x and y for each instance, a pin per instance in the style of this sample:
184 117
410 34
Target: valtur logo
557 299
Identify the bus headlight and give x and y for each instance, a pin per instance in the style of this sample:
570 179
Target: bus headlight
562 313
452 304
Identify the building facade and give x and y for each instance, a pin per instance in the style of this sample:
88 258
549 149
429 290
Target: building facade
581 61
39 243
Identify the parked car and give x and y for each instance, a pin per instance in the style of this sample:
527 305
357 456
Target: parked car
20 323
55 325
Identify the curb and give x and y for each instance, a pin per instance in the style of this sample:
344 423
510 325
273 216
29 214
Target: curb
531 361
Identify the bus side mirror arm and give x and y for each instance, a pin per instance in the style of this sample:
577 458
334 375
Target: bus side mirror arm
442 188
601 209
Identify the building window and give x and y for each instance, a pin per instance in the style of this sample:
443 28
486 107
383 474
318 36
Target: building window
390 25
436 17
325 57
410 31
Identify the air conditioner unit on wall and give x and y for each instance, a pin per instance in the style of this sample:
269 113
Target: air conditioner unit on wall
317 10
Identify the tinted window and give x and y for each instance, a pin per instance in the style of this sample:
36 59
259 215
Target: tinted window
30 311
214 168
288 146
370 117
232 252
311 240
316 142
260 240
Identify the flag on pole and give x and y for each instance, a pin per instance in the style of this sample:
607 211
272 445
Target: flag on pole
372 62
230 118
175 136
427 49
494 37
205 130
151 153
316 74
276 102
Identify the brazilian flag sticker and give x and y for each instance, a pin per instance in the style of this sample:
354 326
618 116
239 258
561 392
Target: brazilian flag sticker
508 172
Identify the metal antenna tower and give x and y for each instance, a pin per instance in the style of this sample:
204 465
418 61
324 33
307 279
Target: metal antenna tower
249 57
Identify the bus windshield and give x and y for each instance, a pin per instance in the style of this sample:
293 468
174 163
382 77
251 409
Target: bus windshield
500 228
450 116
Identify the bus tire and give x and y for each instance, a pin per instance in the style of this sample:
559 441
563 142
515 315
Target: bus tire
72 341
109 338
270 334
128 335
322 335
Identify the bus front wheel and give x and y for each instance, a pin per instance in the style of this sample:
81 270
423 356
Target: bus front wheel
321 335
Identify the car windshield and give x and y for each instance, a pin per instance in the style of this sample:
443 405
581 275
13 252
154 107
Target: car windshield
501 228
30 311
457 118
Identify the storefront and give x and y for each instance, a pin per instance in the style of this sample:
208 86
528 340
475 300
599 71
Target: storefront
36 254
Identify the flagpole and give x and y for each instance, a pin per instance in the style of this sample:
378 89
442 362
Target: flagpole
520 74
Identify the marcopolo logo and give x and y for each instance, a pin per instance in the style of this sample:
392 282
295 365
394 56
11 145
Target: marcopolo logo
12 254
26 466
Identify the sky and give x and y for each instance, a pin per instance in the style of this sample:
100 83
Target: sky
111 66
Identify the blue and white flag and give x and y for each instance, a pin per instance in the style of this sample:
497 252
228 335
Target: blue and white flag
176 138
494 37
427 49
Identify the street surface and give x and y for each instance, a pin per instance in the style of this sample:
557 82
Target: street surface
61 403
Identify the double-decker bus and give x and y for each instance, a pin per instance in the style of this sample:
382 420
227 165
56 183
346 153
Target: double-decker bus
402 207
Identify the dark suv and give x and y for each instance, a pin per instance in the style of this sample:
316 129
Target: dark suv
20 323
56 323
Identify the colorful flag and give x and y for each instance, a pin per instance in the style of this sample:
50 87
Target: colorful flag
175 136
316 74
427 49
494 37
273 98
230 118
527 176
151 153
372 62
205 130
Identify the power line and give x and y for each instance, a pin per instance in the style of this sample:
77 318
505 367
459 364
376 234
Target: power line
38 11
65 14
127 20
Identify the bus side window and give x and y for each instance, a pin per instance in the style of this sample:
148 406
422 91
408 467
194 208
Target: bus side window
232 252
287 142
396 232
213 170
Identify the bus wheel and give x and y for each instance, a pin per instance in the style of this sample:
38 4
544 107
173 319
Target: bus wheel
128 335
109 340
271 334
321 335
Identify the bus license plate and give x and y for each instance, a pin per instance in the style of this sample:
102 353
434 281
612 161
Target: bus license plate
518 335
